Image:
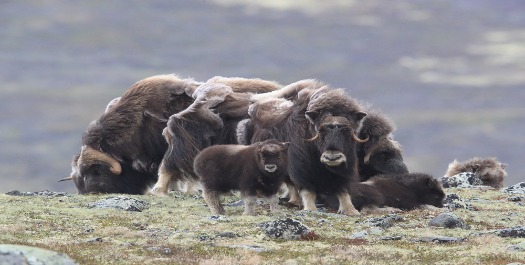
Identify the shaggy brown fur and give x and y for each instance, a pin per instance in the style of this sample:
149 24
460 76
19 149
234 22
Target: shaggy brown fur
129 137
325 163
402 191
381 153
254 169
212 119
489 170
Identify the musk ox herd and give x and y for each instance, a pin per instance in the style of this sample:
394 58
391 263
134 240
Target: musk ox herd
257 137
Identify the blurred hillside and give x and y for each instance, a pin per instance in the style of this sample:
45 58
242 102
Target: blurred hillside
449 72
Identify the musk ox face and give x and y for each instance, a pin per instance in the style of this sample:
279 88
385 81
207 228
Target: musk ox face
432 192
272 156
335 138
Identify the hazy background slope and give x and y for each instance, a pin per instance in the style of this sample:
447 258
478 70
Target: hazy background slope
451 73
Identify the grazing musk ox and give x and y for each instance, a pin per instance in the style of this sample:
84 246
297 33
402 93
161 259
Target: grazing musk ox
321 127
489 170
122 150
381 154
256 169
219 105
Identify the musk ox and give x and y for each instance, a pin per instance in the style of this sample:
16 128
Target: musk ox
122 150
388 192
381 154
219 105
256 169
321 126
489 170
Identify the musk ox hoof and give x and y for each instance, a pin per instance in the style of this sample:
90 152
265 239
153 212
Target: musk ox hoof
158 192
352 212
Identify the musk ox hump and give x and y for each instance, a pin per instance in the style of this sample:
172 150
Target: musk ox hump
290 91
376 124
246 85
490 171
269 112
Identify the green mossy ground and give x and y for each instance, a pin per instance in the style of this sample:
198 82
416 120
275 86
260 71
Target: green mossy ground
177 229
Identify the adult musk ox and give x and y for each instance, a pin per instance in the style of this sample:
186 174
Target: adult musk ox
321 126
256 169
219 105
489 170
121 151
381 153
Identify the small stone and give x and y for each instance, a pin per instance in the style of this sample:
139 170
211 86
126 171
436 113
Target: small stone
227 234
251 248
440 239
359 235
219 218
122 203
515 189
514 232
453 201
391 238
94 240
448 220
518 247
287 229
384 222
235 204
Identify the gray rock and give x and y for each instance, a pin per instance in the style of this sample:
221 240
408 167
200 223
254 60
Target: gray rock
516 199
440 239
227 234
453 201
248 247
461 180
384 222
518 247
288 229
220 218
18 254
359 235
122 203
448 220
38 193
515 189
514 232
391 238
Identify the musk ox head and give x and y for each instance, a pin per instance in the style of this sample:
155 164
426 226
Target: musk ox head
489 170
336 119
430 191
272 156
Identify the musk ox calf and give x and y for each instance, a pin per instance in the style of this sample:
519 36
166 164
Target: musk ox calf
403 191
381 154
400 191
489 170
257 169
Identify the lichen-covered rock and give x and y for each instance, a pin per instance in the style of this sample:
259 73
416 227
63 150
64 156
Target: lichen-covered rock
518 247
448 220
122 203
440 239
514 232
515 189
384 222
461 180
37 193
18 254
288 229
453 201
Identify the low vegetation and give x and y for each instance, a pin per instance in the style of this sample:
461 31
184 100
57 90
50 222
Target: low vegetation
179 229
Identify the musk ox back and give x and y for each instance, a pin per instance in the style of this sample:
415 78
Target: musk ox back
122 150
381 153
489 170
254 169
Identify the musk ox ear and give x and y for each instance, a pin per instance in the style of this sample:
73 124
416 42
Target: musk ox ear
312 115
258 145
360 115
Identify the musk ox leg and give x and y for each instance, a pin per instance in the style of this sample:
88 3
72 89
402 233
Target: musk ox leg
249 204
308 198
163 183
294 194
213 199
273 201
345 204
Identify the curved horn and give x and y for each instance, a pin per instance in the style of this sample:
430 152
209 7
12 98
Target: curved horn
359 140
89 155
313 138
66 178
